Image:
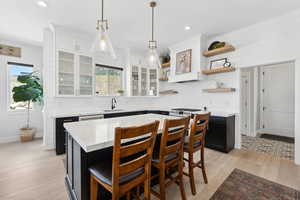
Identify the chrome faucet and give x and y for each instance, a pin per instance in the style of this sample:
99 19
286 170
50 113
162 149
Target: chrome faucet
113 103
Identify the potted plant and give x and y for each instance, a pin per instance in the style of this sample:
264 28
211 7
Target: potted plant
29 91
120 92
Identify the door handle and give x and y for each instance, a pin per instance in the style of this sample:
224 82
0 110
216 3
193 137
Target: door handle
264 108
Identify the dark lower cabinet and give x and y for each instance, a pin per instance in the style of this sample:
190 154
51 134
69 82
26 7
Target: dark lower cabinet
60 135
221 133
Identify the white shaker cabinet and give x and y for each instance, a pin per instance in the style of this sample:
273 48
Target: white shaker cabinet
143 81
74 75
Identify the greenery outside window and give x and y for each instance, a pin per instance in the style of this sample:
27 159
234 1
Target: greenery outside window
15 70
108 80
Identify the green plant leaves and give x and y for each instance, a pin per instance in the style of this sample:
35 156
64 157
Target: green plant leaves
30 90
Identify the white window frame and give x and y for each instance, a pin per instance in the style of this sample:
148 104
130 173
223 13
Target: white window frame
109 67
9 89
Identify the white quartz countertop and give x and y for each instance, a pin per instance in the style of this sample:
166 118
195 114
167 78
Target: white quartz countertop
101 112
98 134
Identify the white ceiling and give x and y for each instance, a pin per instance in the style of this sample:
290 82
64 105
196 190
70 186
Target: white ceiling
130 20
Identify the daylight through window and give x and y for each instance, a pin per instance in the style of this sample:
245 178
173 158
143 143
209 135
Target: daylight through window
15 70
108 80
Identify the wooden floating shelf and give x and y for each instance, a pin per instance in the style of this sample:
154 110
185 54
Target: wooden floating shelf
218 70
217 90
168 92
218 51
163 79
165 65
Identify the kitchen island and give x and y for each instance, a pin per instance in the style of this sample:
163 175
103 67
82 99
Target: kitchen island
88 142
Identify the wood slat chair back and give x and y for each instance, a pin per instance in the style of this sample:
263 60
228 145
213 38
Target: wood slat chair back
134 156
173 137
198 131
170 156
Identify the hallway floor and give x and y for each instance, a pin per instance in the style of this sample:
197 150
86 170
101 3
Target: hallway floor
281 149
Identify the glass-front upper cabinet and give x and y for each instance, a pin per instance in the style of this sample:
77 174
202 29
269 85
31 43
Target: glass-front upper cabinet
85 75
144 82
66 73
153 82
135 81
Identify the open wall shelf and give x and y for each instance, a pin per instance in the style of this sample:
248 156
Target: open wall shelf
163 79
165 65
218 51
219 90
168 92
218 70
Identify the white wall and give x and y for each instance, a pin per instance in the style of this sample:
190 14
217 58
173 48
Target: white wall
272 41
11 122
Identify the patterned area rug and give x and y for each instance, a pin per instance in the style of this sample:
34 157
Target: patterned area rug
281 149
241 185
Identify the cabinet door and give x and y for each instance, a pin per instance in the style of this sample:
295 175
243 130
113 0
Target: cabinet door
144 82
85 76
135 81
153 82
66 74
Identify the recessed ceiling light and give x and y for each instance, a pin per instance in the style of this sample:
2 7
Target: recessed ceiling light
42 4
187 28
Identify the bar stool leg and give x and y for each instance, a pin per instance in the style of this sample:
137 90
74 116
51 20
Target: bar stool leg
162 186
191 173
203 166
94 188
183 196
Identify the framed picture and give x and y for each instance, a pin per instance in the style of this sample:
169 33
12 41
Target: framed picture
219 63
184 61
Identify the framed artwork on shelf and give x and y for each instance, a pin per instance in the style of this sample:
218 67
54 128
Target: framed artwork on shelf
184 61
219 63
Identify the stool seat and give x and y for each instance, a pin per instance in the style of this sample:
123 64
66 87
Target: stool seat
103 171
168 157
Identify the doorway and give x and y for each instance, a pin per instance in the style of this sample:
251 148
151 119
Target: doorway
267 109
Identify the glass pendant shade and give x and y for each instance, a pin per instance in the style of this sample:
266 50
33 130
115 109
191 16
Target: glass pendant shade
152 58
102 42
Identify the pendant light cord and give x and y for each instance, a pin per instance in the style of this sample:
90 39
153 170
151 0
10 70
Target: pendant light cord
102 9
152 23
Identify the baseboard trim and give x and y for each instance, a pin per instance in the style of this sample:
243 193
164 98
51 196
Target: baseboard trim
16 138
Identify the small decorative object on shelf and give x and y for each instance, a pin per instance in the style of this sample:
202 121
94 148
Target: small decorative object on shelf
216 45
165 58
218 70
217 51
168 92
219 63
120 92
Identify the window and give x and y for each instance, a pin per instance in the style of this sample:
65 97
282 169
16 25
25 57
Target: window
108 80
14 70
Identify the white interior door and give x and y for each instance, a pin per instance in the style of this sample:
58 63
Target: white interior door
245 104
278 99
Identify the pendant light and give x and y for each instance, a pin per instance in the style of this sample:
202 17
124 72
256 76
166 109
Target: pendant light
152 57
102 41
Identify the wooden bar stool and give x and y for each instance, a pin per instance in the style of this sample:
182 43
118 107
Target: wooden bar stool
130 165
169 158
196 142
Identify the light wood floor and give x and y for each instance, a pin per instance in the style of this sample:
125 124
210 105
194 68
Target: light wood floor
27 172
